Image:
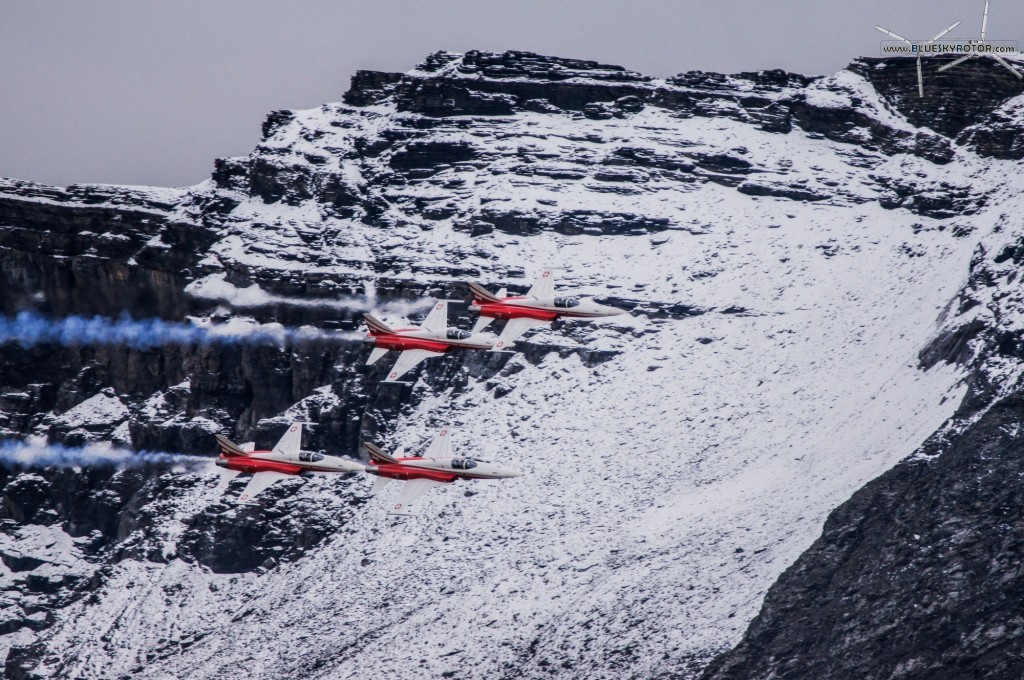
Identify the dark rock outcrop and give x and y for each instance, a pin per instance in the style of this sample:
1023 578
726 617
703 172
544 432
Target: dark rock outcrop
979 86
917 576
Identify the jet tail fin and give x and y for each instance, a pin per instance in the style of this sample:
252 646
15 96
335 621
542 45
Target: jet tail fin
377 454
228 449
291 442
481 293
376 325
441 445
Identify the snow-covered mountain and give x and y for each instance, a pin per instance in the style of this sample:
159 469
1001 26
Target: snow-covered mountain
796 254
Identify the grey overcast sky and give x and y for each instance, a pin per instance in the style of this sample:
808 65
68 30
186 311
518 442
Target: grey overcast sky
131 92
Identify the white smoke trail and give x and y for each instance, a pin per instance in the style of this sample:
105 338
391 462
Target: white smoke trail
215 287
38 454
29 329
403 307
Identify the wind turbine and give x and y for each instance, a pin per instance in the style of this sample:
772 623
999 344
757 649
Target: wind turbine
972 55
920 78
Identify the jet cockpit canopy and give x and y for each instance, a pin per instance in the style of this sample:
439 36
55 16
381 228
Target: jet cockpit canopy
566 302
458 334
310 456
463 463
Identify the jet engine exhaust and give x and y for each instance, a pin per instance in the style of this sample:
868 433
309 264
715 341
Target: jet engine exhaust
29 329
28 454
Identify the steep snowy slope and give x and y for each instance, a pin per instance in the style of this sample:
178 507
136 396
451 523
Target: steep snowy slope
781 284
918 574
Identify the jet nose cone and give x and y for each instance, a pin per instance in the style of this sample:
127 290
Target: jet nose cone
509 472
613 311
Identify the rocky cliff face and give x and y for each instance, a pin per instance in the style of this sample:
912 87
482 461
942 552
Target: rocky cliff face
784 245
918 574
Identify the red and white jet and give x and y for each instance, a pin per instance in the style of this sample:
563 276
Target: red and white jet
437 467
285 460
432 339
538 307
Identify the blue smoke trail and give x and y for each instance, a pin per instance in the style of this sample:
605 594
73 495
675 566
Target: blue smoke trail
29 329
17 453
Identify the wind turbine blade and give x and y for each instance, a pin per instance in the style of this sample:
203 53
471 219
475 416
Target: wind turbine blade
957 62
898 37
944 32
920 79
984 21
1007 65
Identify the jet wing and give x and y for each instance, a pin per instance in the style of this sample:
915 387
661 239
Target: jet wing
259 482
412 490
291 442
375 354
378 484
441 446
544 286
225 478
514 329
482 323
408 360
437 320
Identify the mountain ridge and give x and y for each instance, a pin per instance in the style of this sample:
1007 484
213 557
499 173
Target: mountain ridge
788 248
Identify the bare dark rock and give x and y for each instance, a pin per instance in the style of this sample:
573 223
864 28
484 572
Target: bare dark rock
275 121
941 201
370 87
979 87
430 154
569 222
273 181
792 192
917 576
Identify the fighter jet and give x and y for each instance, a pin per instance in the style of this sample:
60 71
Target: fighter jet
538 307
285 460
437 467
432 339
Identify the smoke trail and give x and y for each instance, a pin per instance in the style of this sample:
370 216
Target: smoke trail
17 453
402 307
215 287
29 329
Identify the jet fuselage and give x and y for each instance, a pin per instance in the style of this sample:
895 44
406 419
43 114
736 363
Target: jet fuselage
269 461
418 338
440 470
544 309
